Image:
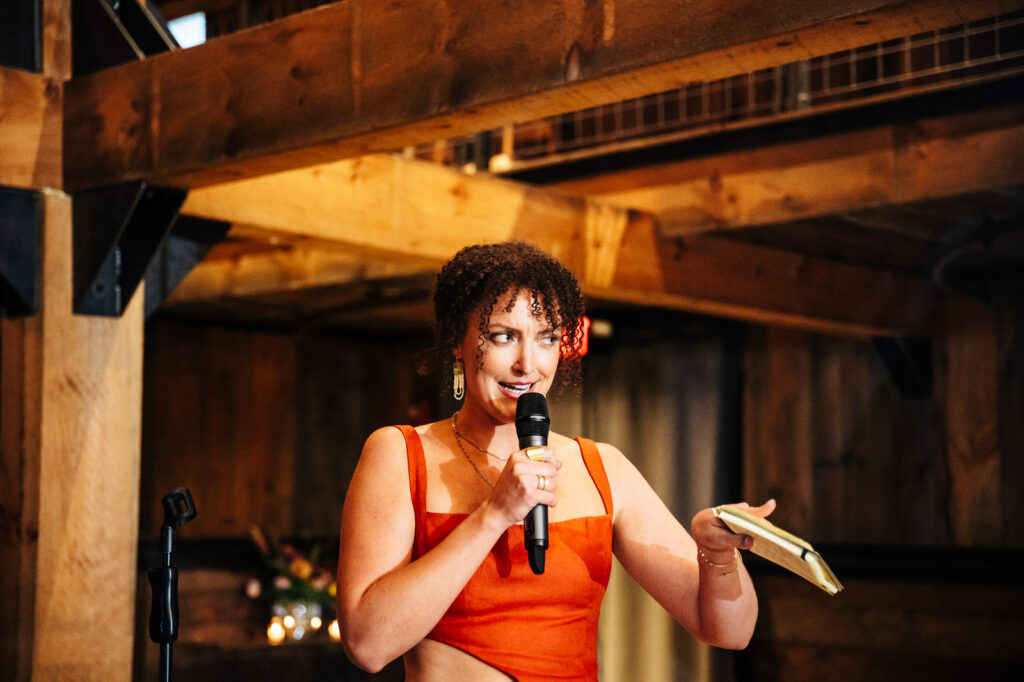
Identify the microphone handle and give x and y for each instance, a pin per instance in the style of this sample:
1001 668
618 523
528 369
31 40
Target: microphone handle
535 525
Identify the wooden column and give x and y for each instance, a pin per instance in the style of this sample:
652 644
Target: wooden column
70 418
972 417
20 384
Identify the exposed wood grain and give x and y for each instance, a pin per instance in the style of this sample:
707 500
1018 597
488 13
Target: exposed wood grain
851 460
71 423
885 630
778 457
30 130
1010 329
282 270
763 285
860 493
221 423
89 431
839 173
972 417
57 39
354 77
420 214
20 415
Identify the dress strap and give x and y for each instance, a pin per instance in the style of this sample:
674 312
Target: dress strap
417 480
592 459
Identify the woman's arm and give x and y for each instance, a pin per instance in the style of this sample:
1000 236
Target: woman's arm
386 602
716 604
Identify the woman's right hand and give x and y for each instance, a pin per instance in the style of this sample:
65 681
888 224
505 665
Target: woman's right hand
525 483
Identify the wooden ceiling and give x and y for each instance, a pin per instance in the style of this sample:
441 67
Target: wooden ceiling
857 221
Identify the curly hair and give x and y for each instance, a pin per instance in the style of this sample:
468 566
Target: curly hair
478 277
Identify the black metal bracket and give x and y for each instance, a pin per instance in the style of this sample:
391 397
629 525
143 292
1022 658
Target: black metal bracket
22 38
21 225
111 32
186 245
909 362
117 231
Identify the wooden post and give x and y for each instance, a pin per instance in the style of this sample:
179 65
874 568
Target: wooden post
972 414
72 392
70 422
20 384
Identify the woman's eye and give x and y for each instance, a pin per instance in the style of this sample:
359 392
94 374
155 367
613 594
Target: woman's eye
501 337
550 340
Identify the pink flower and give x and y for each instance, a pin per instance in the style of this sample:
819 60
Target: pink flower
321 581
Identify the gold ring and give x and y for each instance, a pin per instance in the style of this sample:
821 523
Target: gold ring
535 453
542 482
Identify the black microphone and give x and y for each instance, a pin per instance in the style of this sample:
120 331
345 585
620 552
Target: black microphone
532 424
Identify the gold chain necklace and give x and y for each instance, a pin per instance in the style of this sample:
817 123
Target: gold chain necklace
462 437
458 439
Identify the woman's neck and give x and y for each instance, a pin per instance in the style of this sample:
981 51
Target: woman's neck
485 431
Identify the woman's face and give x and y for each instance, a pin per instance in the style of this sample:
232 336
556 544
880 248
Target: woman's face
519 355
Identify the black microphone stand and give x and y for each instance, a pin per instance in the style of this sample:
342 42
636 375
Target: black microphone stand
163 616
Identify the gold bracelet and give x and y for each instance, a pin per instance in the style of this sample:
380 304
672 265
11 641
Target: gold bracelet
706 560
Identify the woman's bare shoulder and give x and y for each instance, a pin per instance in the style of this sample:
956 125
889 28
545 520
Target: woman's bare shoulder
390 439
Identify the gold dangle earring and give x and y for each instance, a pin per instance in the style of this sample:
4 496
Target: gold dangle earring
458 379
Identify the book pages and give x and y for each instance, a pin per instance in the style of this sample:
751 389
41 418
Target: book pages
780 547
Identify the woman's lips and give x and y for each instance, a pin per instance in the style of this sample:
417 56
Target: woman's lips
515 389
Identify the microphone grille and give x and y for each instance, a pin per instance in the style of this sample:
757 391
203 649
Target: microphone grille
532 415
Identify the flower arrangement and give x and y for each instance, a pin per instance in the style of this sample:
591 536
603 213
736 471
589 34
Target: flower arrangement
299 585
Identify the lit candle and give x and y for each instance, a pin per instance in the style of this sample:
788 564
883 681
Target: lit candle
275 631
335 630
315 622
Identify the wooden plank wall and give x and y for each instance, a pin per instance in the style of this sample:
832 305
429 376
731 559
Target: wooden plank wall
218 414
885 630
851 461
919 499
827 434
264 427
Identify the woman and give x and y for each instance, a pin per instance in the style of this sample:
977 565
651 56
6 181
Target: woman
432 565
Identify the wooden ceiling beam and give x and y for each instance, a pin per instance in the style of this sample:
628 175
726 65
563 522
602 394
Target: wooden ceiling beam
290 269
895 164
419 214
30 130
353 77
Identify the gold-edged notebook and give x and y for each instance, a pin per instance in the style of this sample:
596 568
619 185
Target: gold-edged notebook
780 547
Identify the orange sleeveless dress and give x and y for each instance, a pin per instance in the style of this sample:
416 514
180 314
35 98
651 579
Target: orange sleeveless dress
532 627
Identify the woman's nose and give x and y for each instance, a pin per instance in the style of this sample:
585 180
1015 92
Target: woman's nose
525 360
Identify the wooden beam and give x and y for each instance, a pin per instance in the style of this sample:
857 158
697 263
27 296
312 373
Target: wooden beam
419 213
311 265
839 173
411 212
353 77
30 129
767 286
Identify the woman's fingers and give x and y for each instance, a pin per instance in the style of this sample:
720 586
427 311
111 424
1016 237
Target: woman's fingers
532 480
714 536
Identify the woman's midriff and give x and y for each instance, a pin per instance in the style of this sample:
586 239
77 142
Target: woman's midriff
433 661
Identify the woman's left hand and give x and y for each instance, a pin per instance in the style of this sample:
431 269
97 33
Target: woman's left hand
716 540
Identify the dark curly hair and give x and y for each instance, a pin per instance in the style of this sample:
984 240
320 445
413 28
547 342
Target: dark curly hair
479 276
